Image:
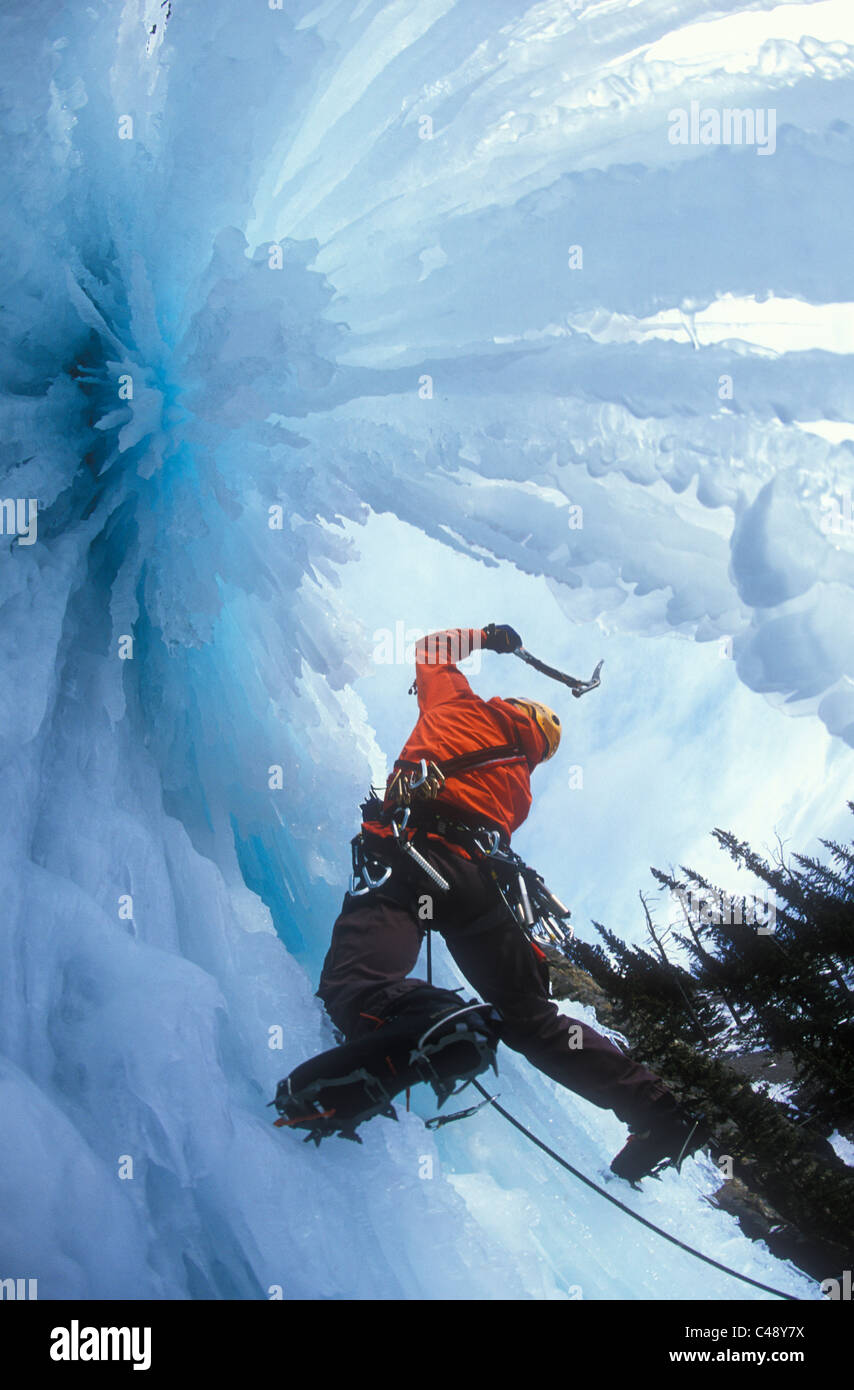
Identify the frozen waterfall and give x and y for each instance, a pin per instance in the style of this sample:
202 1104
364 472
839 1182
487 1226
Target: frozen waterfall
327 320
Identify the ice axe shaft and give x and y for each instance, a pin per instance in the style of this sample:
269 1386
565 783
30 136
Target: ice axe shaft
577 687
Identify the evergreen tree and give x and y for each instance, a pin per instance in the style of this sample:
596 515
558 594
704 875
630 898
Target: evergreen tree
778 981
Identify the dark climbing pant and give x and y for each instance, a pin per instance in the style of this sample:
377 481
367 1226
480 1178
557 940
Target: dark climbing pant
375 944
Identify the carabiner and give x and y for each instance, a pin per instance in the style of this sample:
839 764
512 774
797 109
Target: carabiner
361 872
527 915
369 884
416 781
493 839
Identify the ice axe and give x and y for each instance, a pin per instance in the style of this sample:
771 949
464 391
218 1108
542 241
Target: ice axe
577 687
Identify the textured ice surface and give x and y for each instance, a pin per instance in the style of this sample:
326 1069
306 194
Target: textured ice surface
273 225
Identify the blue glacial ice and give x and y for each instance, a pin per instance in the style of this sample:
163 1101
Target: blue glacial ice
324 317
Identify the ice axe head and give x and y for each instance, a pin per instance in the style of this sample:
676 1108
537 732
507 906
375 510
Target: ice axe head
584 686
577 687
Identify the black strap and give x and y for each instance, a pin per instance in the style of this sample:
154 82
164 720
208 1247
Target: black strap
436 816
464 762
453 824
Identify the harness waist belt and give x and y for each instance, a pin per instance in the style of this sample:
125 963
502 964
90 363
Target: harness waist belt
464 762
454 826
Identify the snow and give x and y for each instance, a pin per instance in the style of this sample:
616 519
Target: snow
843 1147
316 258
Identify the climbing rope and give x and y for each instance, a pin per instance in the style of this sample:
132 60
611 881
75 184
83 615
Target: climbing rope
674 1240
588 1182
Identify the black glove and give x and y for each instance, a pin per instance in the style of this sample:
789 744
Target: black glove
501 639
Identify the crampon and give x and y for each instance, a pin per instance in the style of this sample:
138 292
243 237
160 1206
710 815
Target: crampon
339 1090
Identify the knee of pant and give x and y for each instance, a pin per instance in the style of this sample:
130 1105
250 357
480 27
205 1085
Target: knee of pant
531 1030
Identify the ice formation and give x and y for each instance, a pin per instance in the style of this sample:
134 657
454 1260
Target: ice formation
268 271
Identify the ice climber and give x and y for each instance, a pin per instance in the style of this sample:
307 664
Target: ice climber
426 856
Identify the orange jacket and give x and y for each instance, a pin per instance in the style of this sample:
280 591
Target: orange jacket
453 720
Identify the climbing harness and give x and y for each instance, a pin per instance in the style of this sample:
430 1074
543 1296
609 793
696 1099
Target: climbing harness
540 914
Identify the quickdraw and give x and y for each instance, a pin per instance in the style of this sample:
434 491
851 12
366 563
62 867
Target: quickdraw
399 823
426 781
542 916
439 1120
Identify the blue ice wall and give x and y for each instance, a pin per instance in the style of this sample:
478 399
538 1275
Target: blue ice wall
439 260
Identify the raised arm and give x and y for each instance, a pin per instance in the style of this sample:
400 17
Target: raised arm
436 676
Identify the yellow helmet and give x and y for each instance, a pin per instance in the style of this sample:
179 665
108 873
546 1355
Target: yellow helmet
546 721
